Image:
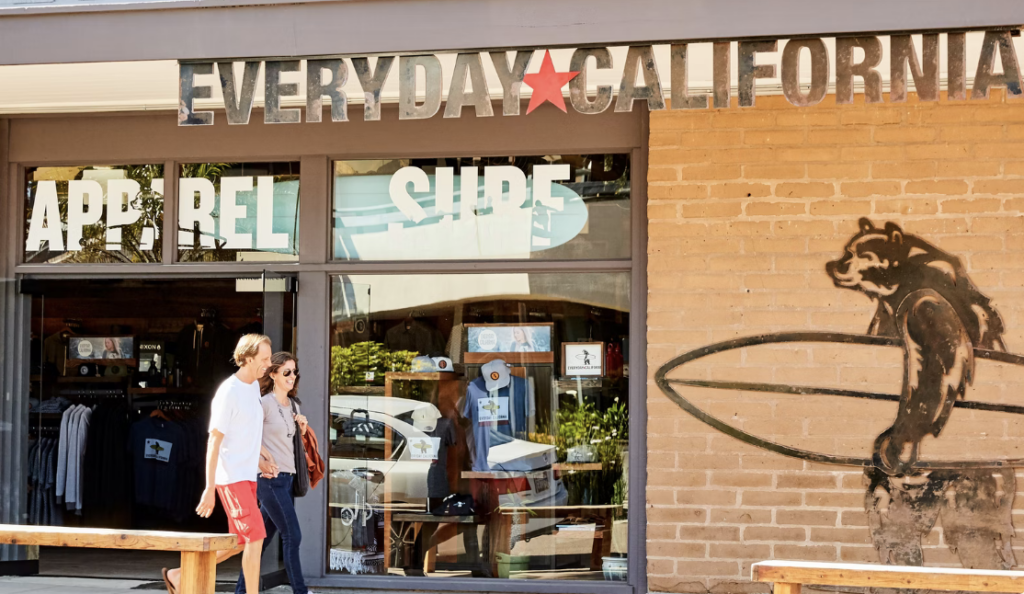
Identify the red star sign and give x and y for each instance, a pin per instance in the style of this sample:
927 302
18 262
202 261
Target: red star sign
547 85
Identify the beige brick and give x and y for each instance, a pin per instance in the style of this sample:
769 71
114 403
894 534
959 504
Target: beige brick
661 138
962 169
742 120
657 567
658 174
806 517
661 532
709 497
838 170
998 186
907 206
677 515
904 135
865 189
841 535
803 117
947 187
970 206
773 137
805 190
806 553
771 498
803 228
858 554
676 478
712 210
806 481
703 171
709 533
998 150
677 192
690 568
741 516
785 171
839 136
986 133
840 207
759 552
806 156
739 190
774 209
852 518
662 211
681 120
676 550
869 115
741 479
873 153
904 170
772 534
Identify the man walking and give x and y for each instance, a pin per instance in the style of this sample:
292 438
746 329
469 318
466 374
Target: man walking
233 457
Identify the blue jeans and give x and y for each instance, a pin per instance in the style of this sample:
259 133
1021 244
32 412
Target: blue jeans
275 497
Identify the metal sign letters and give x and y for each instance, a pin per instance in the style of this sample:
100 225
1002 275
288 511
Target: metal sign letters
857 58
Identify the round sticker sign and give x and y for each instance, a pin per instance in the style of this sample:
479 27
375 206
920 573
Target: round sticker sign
488 340
85 349
495 375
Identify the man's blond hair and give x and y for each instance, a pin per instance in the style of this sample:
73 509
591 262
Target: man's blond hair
248 347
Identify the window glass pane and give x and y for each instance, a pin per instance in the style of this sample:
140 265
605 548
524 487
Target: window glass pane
537 208
93 214
479 425
238 212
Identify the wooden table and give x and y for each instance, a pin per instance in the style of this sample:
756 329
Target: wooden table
789 576
198 550
603 515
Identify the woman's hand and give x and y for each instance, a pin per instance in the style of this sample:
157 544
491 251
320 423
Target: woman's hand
268 468
303 424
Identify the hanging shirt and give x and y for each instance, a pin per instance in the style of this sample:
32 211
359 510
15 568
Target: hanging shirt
496 417
157 447
437 475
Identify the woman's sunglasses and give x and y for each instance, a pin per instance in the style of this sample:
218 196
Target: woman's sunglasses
288 373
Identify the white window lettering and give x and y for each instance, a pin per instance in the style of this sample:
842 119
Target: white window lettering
189 214
495 180
120 194
231 211
45 223
398 188
85 207
266 239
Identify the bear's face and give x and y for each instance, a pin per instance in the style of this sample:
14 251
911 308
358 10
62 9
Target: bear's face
871 261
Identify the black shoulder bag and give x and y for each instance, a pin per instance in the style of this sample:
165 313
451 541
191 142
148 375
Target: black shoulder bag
300 484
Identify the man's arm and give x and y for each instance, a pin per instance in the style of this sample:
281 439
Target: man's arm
208 501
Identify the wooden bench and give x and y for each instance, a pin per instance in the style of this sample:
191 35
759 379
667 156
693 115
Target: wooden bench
198 551
789 576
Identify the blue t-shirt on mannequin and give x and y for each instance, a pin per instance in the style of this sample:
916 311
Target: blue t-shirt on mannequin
496 405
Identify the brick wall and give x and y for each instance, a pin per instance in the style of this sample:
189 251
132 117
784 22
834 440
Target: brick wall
746 207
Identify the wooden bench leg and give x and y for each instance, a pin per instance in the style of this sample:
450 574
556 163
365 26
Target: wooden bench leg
198 572
784 588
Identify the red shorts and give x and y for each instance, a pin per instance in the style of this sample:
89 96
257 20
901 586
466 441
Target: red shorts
244 517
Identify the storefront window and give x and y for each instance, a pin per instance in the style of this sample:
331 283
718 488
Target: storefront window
245 212
479 425
93 214
539 208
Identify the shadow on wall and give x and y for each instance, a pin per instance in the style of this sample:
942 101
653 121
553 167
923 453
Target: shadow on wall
929 307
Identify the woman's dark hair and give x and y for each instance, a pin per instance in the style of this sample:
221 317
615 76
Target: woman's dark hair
276 361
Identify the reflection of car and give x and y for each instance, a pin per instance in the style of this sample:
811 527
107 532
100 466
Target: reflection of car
373 437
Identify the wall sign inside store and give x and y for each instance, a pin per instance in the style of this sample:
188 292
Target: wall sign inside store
641 78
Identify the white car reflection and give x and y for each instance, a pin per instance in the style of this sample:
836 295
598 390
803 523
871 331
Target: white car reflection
364 453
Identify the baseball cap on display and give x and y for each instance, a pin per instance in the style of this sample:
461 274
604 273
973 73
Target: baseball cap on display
443 364
422 365
495 374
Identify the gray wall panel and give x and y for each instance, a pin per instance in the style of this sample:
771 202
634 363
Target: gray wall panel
207 29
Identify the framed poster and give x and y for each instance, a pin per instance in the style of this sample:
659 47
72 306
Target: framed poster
97 349
583 359
515 343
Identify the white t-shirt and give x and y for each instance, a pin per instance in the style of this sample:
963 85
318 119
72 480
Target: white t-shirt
237 413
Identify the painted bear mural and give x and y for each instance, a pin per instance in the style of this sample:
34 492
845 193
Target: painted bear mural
925 298
925 304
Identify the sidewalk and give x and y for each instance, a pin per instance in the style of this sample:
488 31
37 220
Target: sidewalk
58 585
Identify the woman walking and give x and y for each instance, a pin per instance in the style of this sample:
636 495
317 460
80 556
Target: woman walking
277 463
